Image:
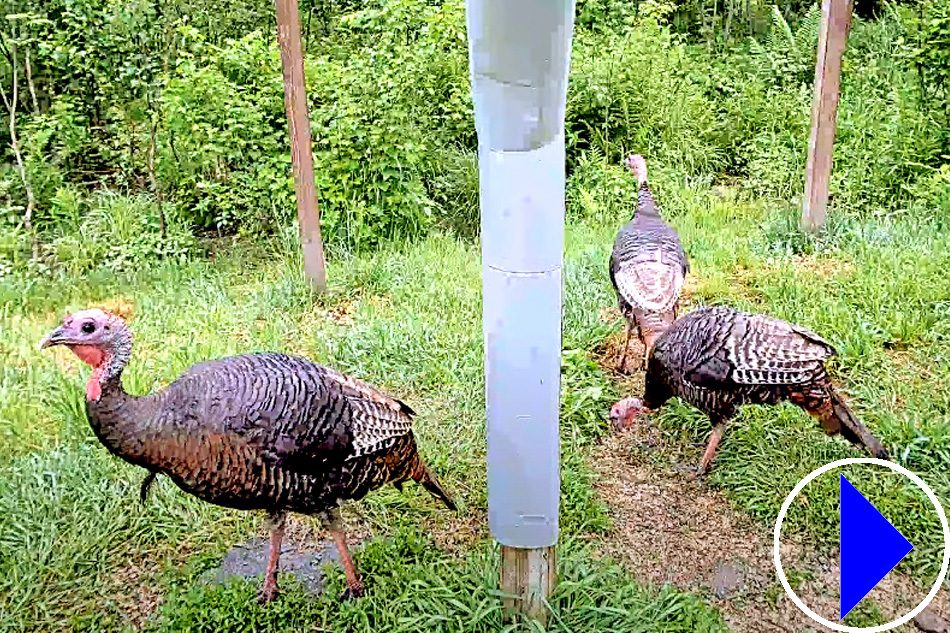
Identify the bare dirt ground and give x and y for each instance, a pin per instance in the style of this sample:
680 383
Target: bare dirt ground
667 529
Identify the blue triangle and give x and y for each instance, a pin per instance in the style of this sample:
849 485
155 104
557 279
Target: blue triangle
870 547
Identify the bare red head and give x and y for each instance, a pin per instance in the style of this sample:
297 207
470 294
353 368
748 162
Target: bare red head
625 412
638 166
100 339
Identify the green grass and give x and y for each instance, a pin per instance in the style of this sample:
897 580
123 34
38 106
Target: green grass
880 297
408 319
416 588
70 517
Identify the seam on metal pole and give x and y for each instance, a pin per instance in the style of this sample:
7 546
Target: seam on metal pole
525 273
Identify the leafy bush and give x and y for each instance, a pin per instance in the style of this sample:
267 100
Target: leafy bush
786 57
632 92
118 232
395 93
224 150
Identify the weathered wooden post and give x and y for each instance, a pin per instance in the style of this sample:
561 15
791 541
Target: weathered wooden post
832 38
519 58
298 120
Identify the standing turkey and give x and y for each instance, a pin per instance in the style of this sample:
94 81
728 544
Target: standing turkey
647 268
717 359
262 431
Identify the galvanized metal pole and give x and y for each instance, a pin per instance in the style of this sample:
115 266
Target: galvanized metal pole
519 58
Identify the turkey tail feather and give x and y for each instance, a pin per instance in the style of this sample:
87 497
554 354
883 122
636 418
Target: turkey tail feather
425 478
851 428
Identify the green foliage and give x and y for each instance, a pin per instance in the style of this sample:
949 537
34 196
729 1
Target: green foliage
224 146
631 91
604 15
415 587
931 54
785 57
394 93
453 188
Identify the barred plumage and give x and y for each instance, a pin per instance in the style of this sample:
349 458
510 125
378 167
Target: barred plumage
718 359
647 267
263 431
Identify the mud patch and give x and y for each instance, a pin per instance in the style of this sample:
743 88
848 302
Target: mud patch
249 561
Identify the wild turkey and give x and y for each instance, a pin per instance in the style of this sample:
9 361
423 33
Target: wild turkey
647 268
263 431
717 359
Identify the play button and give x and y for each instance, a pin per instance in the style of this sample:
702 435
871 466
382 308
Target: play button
870 547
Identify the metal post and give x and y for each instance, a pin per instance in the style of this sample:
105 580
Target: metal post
832 38
519 59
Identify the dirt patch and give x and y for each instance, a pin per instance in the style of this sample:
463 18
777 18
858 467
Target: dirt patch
822 266
135 592
342 313
667 529
458 534
118 306
607 355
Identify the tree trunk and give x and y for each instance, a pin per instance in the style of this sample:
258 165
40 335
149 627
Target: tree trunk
11 104
295 101
29 82
153 179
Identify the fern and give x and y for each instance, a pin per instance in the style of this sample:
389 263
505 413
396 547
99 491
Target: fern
779 24
785 57
806 35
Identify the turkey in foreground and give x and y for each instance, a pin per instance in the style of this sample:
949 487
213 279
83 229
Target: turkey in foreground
261 431
718 358
647 268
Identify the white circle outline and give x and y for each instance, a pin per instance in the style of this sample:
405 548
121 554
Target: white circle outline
880 627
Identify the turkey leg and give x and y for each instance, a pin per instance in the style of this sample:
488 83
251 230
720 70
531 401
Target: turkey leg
626 345
711 447
276 521
354 586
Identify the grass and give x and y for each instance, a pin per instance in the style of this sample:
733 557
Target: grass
408 319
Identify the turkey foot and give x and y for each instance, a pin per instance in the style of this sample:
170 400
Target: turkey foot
268 592
349 594
277 523
354 586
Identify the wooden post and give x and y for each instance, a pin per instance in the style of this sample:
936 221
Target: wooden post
832 38
528 574
298 120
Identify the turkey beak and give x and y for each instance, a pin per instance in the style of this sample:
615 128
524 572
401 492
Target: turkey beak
56 337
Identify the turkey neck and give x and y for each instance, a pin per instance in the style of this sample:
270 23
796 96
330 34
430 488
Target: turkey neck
118 419
646 212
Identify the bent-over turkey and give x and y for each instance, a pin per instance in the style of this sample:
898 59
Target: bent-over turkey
647 268
717 359
263 431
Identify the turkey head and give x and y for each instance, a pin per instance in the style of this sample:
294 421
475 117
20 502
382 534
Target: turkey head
99 339
624 413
